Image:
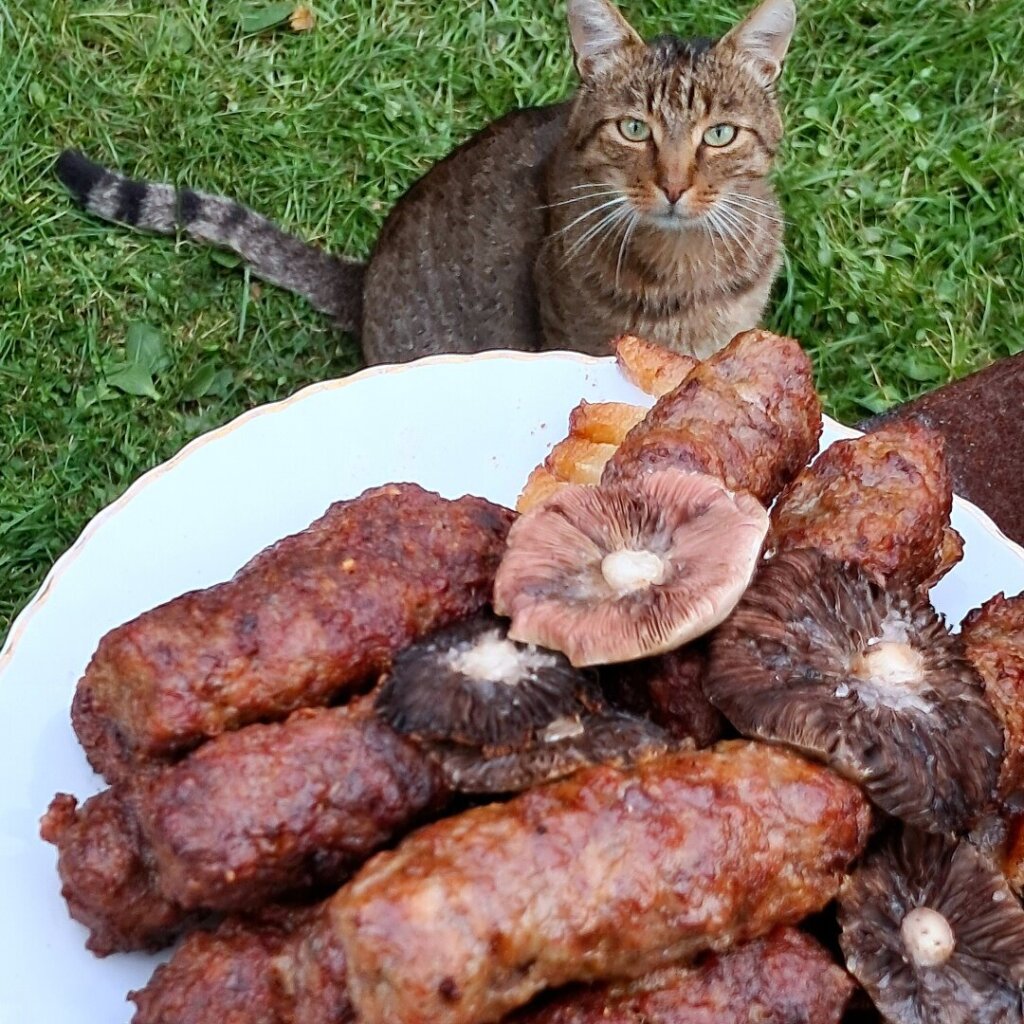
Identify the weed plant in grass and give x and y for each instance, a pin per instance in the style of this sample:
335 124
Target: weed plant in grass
902 179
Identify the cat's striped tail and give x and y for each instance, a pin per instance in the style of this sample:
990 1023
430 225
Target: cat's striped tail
333 285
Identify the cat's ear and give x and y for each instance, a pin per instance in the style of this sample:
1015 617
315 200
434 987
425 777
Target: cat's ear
761 40
598 33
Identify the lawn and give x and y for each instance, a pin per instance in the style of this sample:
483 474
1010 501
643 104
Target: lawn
902 178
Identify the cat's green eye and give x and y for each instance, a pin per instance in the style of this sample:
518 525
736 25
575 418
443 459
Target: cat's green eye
720 135
634 129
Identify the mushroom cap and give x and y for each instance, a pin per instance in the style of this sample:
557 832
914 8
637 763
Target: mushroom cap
613 738
613 573
470 684
819 657
932 931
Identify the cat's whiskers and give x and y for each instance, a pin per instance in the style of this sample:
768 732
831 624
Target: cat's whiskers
593 184
617 201
607 223
711 238
632 222
756 208
743 197
715 217
744 224
580 199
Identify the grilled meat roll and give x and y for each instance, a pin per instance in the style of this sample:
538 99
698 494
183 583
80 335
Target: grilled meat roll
281 966
287 967
881 501
251 815
308 618
606 874
748 415
993 637
786 978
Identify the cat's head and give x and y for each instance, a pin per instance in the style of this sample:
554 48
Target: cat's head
679 132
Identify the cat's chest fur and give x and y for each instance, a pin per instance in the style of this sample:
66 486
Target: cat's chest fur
475 256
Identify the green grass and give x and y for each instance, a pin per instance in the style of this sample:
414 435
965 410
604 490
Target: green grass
902 181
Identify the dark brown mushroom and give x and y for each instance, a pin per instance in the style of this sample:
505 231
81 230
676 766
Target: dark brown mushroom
819 657
564 746
471 684
624 571
933 933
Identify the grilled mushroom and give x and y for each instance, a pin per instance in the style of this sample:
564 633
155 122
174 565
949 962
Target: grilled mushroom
613 573
499 716
817 656
471 684
561 748
933 933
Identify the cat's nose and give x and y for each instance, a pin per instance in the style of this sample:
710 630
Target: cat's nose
673 193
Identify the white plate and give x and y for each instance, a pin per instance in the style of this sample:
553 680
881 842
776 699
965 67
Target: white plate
453 424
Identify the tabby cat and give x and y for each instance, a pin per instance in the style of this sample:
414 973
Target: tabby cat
642 204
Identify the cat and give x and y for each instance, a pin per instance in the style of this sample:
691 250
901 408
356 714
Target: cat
641 205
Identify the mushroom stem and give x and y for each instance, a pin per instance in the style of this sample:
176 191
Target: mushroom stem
626 570
927 937
493 657
893 663
891 674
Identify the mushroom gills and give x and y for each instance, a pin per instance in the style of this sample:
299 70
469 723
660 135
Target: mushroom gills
818 656
619 572
566 745
933 933
471 684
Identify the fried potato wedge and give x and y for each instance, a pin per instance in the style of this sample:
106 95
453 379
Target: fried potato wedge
604 422
650 367
540 485
578 461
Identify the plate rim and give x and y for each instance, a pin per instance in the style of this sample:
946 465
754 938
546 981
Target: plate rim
23 619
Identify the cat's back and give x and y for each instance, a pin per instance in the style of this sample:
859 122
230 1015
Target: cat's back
453 266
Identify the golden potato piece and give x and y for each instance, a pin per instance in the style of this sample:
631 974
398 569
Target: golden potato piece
577 461
604 422
650 367
540 485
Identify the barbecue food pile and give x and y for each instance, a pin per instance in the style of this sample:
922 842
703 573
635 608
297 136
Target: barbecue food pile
645 753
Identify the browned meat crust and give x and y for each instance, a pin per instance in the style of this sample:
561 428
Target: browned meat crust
881 501
107 873
993 638
275 968
315 614
287 967
786 978
606 874
748 415
267 810
1010 853
667 689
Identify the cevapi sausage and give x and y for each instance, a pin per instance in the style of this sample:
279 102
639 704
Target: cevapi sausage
607 874
308 618
286 967
786 978
248 817
748 415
